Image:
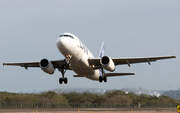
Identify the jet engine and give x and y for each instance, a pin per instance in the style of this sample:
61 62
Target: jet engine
46 66
107 63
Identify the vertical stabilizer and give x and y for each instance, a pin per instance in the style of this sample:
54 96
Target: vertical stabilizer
102 51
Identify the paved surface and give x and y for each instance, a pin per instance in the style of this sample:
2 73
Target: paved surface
90 109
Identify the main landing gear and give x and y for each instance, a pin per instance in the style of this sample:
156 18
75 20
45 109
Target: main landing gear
63 68
102 78
61 80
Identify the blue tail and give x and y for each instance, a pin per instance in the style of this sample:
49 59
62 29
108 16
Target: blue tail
102 51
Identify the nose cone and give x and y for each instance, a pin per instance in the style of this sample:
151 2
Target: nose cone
61 43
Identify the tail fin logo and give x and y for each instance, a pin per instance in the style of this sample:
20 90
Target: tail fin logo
102 51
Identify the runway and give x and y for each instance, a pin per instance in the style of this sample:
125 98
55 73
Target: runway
90 110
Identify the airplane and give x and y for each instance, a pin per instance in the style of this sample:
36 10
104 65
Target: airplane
79 59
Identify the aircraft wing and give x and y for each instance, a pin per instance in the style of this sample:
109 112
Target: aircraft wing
56 64
128 61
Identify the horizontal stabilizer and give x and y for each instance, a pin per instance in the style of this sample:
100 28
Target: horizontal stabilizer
118 74
78 76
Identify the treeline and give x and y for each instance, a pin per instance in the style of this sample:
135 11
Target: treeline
110 97
173 93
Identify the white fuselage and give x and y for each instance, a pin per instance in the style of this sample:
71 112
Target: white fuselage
79 56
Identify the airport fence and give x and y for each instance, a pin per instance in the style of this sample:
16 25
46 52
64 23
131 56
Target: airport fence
14 105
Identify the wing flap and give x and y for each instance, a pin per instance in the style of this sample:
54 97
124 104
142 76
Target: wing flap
118 74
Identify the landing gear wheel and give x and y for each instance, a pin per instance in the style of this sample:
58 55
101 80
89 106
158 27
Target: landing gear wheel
63 70
105 79
65 80
100 79
60 80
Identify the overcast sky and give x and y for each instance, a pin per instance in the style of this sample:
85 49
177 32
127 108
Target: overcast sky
129 28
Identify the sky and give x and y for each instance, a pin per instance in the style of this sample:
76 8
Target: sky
130 28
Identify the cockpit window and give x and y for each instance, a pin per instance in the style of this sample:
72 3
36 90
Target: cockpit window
67 36
71 36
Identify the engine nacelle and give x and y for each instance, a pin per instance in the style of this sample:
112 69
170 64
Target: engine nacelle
46 66
107 63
